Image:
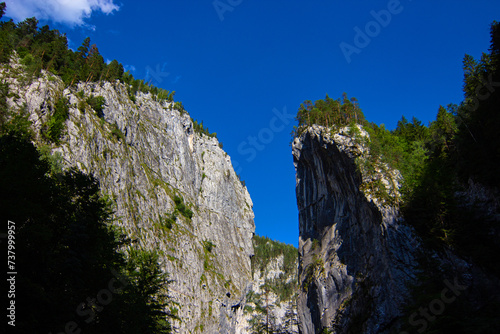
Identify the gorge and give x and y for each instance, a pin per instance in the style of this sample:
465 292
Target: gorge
106 174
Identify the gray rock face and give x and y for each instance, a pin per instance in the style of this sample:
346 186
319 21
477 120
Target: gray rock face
266 309
144 154
355 258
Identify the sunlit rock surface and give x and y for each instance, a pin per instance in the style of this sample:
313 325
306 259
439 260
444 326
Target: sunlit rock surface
355 258
145 153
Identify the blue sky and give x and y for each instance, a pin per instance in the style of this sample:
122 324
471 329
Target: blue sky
243 67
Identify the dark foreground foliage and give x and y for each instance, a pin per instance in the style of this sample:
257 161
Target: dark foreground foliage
71 273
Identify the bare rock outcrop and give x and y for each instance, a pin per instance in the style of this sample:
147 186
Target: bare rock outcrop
355 259
157 169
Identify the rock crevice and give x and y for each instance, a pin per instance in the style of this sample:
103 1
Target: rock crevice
356 260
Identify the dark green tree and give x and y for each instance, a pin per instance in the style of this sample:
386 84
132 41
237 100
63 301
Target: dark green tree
329 113
67 252
3 6
478 118
114 71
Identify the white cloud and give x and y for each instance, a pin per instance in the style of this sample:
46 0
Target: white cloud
70 12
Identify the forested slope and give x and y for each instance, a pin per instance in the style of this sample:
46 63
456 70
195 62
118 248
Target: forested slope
128 185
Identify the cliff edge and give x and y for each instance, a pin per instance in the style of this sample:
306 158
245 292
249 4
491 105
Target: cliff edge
362 268
355 258
174 188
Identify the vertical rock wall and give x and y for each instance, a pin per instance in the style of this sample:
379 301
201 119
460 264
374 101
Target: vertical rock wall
145 154
355 259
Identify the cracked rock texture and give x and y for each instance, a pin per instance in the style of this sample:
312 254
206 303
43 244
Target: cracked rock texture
145 153
281 316
355 258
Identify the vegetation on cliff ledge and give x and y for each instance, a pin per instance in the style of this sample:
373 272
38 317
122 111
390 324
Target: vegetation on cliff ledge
441 164
75 269
276 290
43 49
461 145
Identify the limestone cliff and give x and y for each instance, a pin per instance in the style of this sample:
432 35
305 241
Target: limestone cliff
360 266
175 189
355 259
272 302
